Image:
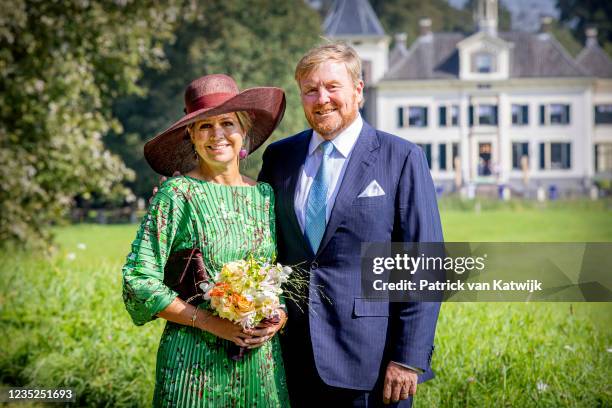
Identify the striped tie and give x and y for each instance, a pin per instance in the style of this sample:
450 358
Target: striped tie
316 203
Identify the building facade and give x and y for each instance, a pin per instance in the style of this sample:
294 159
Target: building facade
492 108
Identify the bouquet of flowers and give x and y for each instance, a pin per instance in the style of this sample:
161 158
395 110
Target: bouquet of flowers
247 292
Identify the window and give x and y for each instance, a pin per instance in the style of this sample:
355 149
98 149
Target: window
555 114
412 116
483 63
603 114
448 156
427 150
454 115
442 156
455 155
520 115
487 114
448 115
519 150
555 156
417 116
442 116
603 157
559 114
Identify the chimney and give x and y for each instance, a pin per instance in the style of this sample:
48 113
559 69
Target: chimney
486 15
400 41
591 36
546 24
425 26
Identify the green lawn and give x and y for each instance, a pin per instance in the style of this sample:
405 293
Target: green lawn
63 324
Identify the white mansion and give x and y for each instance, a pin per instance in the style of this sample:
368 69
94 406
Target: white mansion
492 108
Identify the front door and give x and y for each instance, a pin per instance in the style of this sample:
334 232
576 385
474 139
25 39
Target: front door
484 167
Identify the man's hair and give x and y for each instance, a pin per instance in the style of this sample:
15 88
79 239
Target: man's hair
333 51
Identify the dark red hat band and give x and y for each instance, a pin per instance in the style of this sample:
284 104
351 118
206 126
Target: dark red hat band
208 101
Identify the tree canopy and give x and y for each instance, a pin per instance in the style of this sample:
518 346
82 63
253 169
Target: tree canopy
62 63
580 14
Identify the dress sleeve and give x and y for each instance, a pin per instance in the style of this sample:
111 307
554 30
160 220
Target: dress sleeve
144 292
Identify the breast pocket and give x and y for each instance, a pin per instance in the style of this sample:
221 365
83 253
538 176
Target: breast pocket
369 201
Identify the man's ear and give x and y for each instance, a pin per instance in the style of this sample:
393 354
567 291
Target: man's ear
359 90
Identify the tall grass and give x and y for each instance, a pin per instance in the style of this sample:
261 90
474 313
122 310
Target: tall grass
63 324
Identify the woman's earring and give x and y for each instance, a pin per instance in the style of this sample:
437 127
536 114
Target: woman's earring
196 157
243 154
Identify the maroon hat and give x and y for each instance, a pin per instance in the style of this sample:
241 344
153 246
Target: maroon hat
213 95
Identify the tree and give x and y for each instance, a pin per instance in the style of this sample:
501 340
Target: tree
579 14
62 64
257 42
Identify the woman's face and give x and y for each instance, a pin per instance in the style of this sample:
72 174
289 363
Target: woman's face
218 139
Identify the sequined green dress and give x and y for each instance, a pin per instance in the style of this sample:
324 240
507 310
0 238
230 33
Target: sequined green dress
226 223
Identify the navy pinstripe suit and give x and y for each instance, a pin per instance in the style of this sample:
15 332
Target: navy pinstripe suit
347 342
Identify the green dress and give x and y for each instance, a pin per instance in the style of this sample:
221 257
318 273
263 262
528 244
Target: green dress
226 223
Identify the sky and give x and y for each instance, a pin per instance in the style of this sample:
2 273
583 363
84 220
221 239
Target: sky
525 13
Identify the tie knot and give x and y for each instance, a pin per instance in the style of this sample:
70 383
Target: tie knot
327 147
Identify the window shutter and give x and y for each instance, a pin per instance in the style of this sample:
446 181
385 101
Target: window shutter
567 157
400 117
471 115
442 116
542 115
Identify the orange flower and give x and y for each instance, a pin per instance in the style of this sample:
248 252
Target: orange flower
241 303
219 289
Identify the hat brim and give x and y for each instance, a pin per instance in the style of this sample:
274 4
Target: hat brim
171 150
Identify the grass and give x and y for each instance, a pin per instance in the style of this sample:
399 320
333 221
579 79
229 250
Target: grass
63 323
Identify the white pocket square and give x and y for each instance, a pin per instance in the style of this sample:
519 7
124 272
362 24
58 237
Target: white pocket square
372 190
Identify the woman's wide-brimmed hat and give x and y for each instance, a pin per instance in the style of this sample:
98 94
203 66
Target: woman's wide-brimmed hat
213 95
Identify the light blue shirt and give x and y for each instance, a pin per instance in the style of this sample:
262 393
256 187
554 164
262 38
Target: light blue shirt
338 160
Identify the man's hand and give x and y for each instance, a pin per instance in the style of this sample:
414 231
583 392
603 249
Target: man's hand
400 383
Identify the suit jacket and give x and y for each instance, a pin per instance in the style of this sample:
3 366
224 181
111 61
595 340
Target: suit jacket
352 338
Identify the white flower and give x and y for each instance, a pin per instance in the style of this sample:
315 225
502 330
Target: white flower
81 246
542 386
206 286
71 256
610 350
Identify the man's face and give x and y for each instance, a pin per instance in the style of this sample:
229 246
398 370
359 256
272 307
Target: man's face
330 99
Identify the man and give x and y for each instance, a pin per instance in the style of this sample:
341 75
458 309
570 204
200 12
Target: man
337 185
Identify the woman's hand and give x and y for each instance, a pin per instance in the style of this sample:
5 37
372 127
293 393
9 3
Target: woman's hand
265 331
225 329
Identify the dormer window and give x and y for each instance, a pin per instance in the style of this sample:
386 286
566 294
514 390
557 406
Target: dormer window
483 63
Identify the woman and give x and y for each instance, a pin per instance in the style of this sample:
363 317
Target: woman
224 216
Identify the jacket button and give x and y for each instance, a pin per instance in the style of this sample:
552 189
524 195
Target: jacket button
314 265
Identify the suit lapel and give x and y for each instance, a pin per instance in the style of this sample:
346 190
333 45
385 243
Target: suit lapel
299 153
356 174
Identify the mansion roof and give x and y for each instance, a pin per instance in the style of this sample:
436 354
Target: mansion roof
532 55
595 61
352 18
